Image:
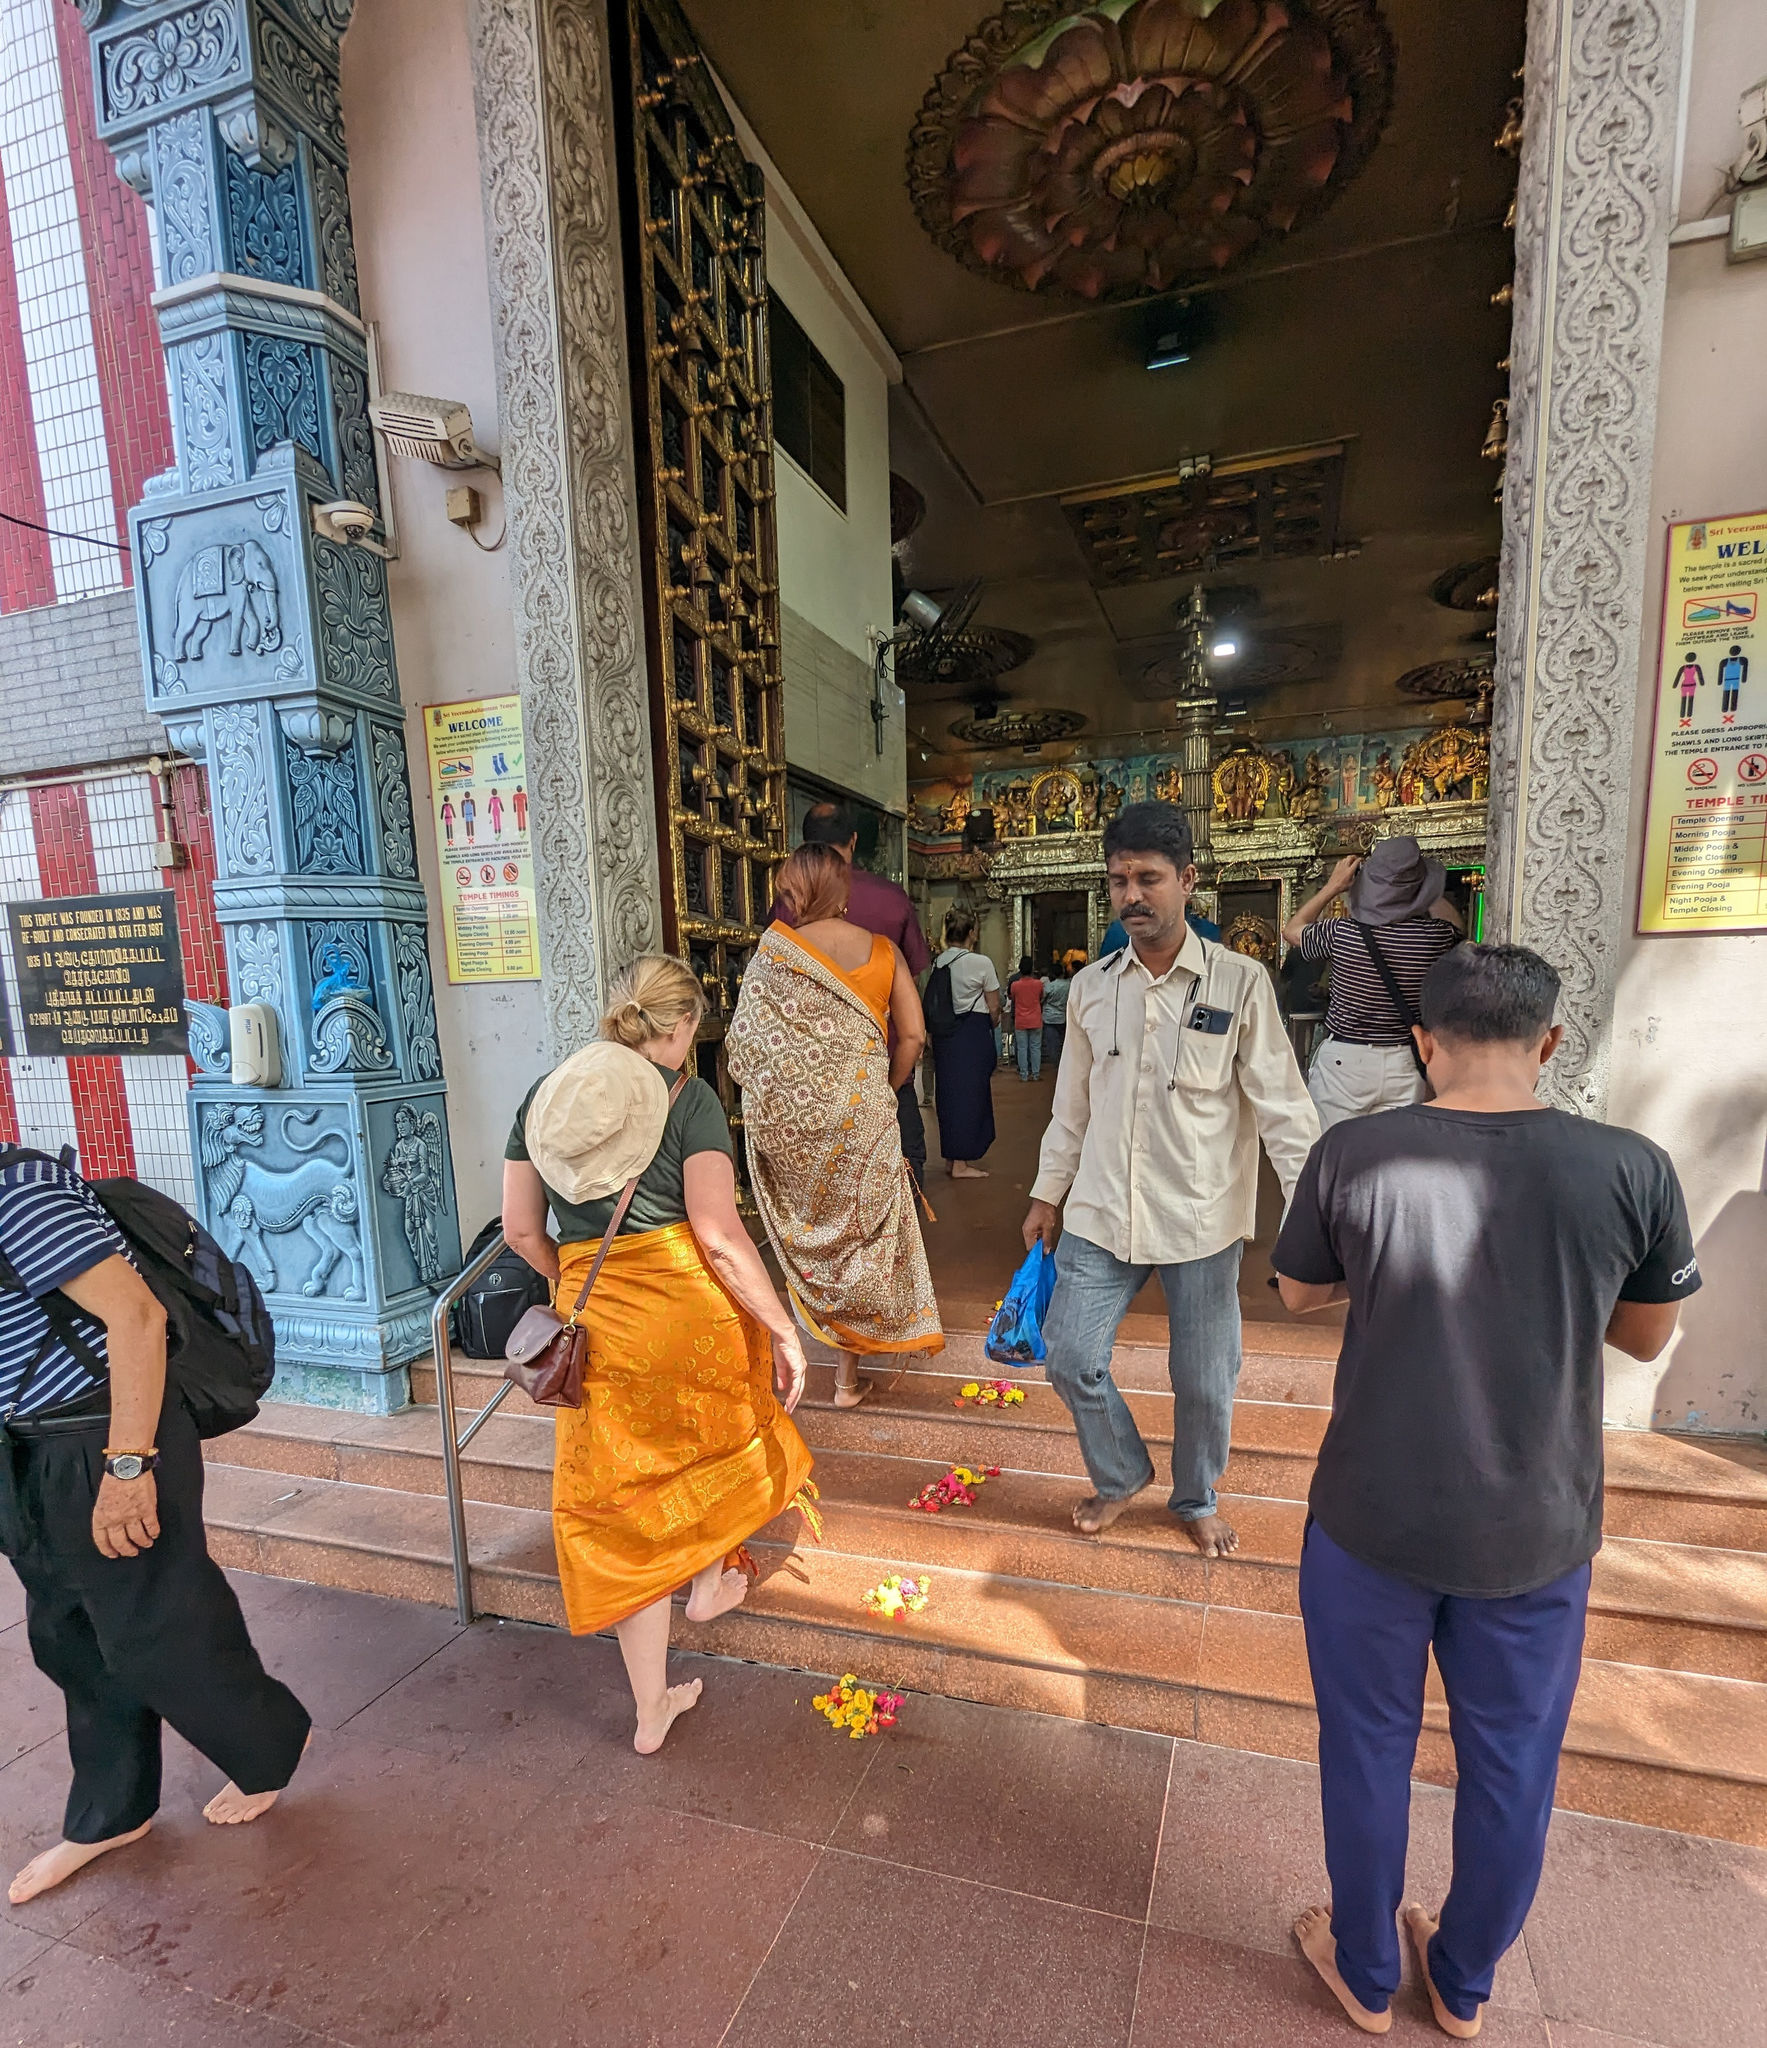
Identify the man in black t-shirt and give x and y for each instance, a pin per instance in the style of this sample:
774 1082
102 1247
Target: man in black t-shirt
1487 1245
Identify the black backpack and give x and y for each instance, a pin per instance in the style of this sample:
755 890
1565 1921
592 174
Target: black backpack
220 1347
480 1322
940 1003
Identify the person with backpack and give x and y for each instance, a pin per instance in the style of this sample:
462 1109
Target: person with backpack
101 1482
1399 924
962 1006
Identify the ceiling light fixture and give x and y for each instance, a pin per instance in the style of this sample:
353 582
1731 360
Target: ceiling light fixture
1223 650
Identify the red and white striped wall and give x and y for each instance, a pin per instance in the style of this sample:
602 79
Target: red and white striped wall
83 413
88 836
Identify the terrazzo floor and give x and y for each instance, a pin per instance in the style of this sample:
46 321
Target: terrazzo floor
473 1853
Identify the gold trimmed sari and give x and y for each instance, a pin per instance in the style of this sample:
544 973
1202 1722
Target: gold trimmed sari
680 1451
825 1151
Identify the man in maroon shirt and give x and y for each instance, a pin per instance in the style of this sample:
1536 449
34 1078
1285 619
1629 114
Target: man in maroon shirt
878 905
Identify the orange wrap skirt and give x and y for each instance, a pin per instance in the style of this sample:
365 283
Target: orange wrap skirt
680 1451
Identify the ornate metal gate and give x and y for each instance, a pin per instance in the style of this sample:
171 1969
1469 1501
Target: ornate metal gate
696 298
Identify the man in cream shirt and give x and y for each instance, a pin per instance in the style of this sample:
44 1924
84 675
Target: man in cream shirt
1175 1064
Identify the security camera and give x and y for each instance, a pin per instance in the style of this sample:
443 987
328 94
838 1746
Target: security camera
349 523
437 430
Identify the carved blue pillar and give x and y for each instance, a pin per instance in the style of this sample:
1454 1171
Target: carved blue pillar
269 654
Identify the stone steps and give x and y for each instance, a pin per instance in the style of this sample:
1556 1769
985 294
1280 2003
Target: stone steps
1132 1627
1666 1748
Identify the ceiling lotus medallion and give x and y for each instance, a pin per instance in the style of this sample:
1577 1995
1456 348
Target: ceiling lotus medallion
1137 145
975 656
1017 728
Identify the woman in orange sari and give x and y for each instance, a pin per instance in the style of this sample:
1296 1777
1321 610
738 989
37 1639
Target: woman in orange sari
809 1046
680 1451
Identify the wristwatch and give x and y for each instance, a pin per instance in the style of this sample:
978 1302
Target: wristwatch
130 1464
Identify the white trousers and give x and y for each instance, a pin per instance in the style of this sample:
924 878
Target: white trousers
1355 1080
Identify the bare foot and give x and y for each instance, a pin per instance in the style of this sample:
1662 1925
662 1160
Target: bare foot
1313 1932
232 1808
655 1725
862 1387
55 1866
1212 1536
731 1590
1093 1513
962 1170
1422 1926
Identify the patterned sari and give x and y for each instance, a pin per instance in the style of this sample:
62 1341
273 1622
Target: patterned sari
679 1452
825 1152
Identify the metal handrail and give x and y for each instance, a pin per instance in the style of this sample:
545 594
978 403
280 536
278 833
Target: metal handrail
452 1446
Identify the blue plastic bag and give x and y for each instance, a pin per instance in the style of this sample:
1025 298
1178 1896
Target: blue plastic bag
1015 1337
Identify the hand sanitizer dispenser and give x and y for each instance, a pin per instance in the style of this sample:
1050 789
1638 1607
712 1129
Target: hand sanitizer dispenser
256 1049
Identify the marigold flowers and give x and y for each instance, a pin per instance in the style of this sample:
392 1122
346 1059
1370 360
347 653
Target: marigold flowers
990 1394
957 1489
859 1710
898 1597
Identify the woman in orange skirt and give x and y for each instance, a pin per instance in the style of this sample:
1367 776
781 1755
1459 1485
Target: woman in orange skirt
810 1046
680 1451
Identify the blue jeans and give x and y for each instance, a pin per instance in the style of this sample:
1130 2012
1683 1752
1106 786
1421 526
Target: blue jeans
1509 1667
1093 1291
1029 1040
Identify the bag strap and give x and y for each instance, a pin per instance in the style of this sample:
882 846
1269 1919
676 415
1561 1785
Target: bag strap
619 1216
1407 1015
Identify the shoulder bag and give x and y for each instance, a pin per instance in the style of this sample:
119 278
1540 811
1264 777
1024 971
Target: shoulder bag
1390 981
545 1354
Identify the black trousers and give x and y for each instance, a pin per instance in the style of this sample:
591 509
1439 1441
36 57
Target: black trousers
913 1128
134 1641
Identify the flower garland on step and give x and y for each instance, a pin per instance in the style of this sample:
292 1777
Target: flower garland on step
897 1597
860 1710
990 1394
957 1489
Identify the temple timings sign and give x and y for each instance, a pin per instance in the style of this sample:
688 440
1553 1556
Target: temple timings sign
1705 833
479 795
99 974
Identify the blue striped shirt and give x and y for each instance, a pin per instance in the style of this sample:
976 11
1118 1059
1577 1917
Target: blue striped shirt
51 1229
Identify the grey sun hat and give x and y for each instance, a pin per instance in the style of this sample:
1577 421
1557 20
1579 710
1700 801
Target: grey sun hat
1395 882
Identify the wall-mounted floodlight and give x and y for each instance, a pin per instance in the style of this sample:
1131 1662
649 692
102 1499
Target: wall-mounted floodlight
437 430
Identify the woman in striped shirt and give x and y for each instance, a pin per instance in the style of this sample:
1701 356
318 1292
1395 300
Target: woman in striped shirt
1401 922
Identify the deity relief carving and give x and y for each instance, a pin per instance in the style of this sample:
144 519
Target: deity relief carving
251 1201
412 1173
234 581
1242 781
1452 763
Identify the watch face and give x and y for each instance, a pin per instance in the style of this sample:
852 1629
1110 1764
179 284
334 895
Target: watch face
130 1465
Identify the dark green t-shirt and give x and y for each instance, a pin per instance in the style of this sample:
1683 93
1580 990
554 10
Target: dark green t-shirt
696 1124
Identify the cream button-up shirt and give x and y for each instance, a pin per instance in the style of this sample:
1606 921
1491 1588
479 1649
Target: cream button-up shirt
1154 1135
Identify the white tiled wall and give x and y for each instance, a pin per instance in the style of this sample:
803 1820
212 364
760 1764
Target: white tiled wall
120 813
40 1091
61 364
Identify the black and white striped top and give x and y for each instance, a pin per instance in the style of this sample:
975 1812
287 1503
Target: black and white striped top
1361 1011
51 1229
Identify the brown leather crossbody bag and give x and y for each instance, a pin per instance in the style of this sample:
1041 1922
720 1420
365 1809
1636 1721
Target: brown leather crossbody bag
545 1355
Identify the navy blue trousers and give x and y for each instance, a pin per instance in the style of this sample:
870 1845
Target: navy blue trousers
1510 1669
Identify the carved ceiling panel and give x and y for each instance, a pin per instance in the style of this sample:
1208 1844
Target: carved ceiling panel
1117 150
1238 512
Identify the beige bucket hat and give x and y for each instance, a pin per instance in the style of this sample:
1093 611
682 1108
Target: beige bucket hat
596 1121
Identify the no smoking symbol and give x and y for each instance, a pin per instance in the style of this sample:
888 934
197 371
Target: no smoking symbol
1752 767
1702 771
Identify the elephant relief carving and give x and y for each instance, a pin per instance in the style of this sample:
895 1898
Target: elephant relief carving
231 581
